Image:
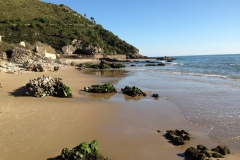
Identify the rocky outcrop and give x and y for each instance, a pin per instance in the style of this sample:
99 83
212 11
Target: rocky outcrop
3 55
177 137
20 55
135 55
83 151
155 95
102 65
133 91
47 86
169 59
106 88
78 47
202 152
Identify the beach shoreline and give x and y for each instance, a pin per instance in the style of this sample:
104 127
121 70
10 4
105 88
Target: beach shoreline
38 128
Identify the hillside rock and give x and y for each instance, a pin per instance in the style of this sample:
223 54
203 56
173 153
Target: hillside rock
135 55
78 47
3 55
20 55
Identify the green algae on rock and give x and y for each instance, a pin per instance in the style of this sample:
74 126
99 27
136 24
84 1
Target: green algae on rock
133 91
106 88
84 151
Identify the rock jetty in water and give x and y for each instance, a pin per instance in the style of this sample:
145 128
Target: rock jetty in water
202 152
106 88
133 91
84 151
47 86
102 65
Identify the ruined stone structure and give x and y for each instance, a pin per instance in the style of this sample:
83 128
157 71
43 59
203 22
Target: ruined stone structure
42 51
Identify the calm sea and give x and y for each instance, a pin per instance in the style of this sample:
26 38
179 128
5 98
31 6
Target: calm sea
206 88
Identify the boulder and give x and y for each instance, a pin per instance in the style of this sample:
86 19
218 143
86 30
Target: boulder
20 55
177 137
47 86
83 151
106 88
73 63
201 152
155 95
3 55
133 91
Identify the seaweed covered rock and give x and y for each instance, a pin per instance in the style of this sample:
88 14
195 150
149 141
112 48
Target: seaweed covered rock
106 88
84 151
133 91
201 152
47 86
178 137
102 65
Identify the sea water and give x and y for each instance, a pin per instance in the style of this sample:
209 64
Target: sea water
206 88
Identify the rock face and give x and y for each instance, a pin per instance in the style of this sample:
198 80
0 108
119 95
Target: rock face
202 152
135 55
3 55
20 55
178 137
47 86
77 47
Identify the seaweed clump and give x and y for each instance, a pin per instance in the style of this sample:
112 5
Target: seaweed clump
106 88
133 91
84 151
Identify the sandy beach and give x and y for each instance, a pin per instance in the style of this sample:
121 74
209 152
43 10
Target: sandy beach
38 128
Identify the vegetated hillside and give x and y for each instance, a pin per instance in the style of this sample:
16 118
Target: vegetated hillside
56 25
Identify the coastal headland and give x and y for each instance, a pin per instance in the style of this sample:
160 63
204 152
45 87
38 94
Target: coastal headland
38 128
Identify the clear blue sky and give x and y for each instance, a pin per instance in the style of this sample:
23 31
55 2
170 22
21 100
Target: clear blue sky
168 27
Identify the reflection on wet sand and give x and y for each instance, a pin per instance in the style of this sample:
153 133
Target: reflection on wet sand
106 73
97 96
136 98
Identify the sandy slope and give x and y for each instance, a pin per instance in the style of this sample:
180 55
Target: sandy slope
38 128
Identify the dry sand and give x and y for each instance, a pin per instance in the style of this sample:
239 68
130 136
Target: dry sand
38 128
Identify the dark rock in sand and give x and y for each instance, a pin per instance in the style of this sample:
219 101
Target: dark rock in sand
177 137
201 152
155 95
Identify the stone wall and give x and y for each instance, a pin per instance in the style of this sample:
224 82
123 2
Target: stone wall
50 55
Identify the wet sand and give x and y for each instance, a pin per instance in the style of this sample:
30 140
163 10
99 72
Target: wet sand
38 128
